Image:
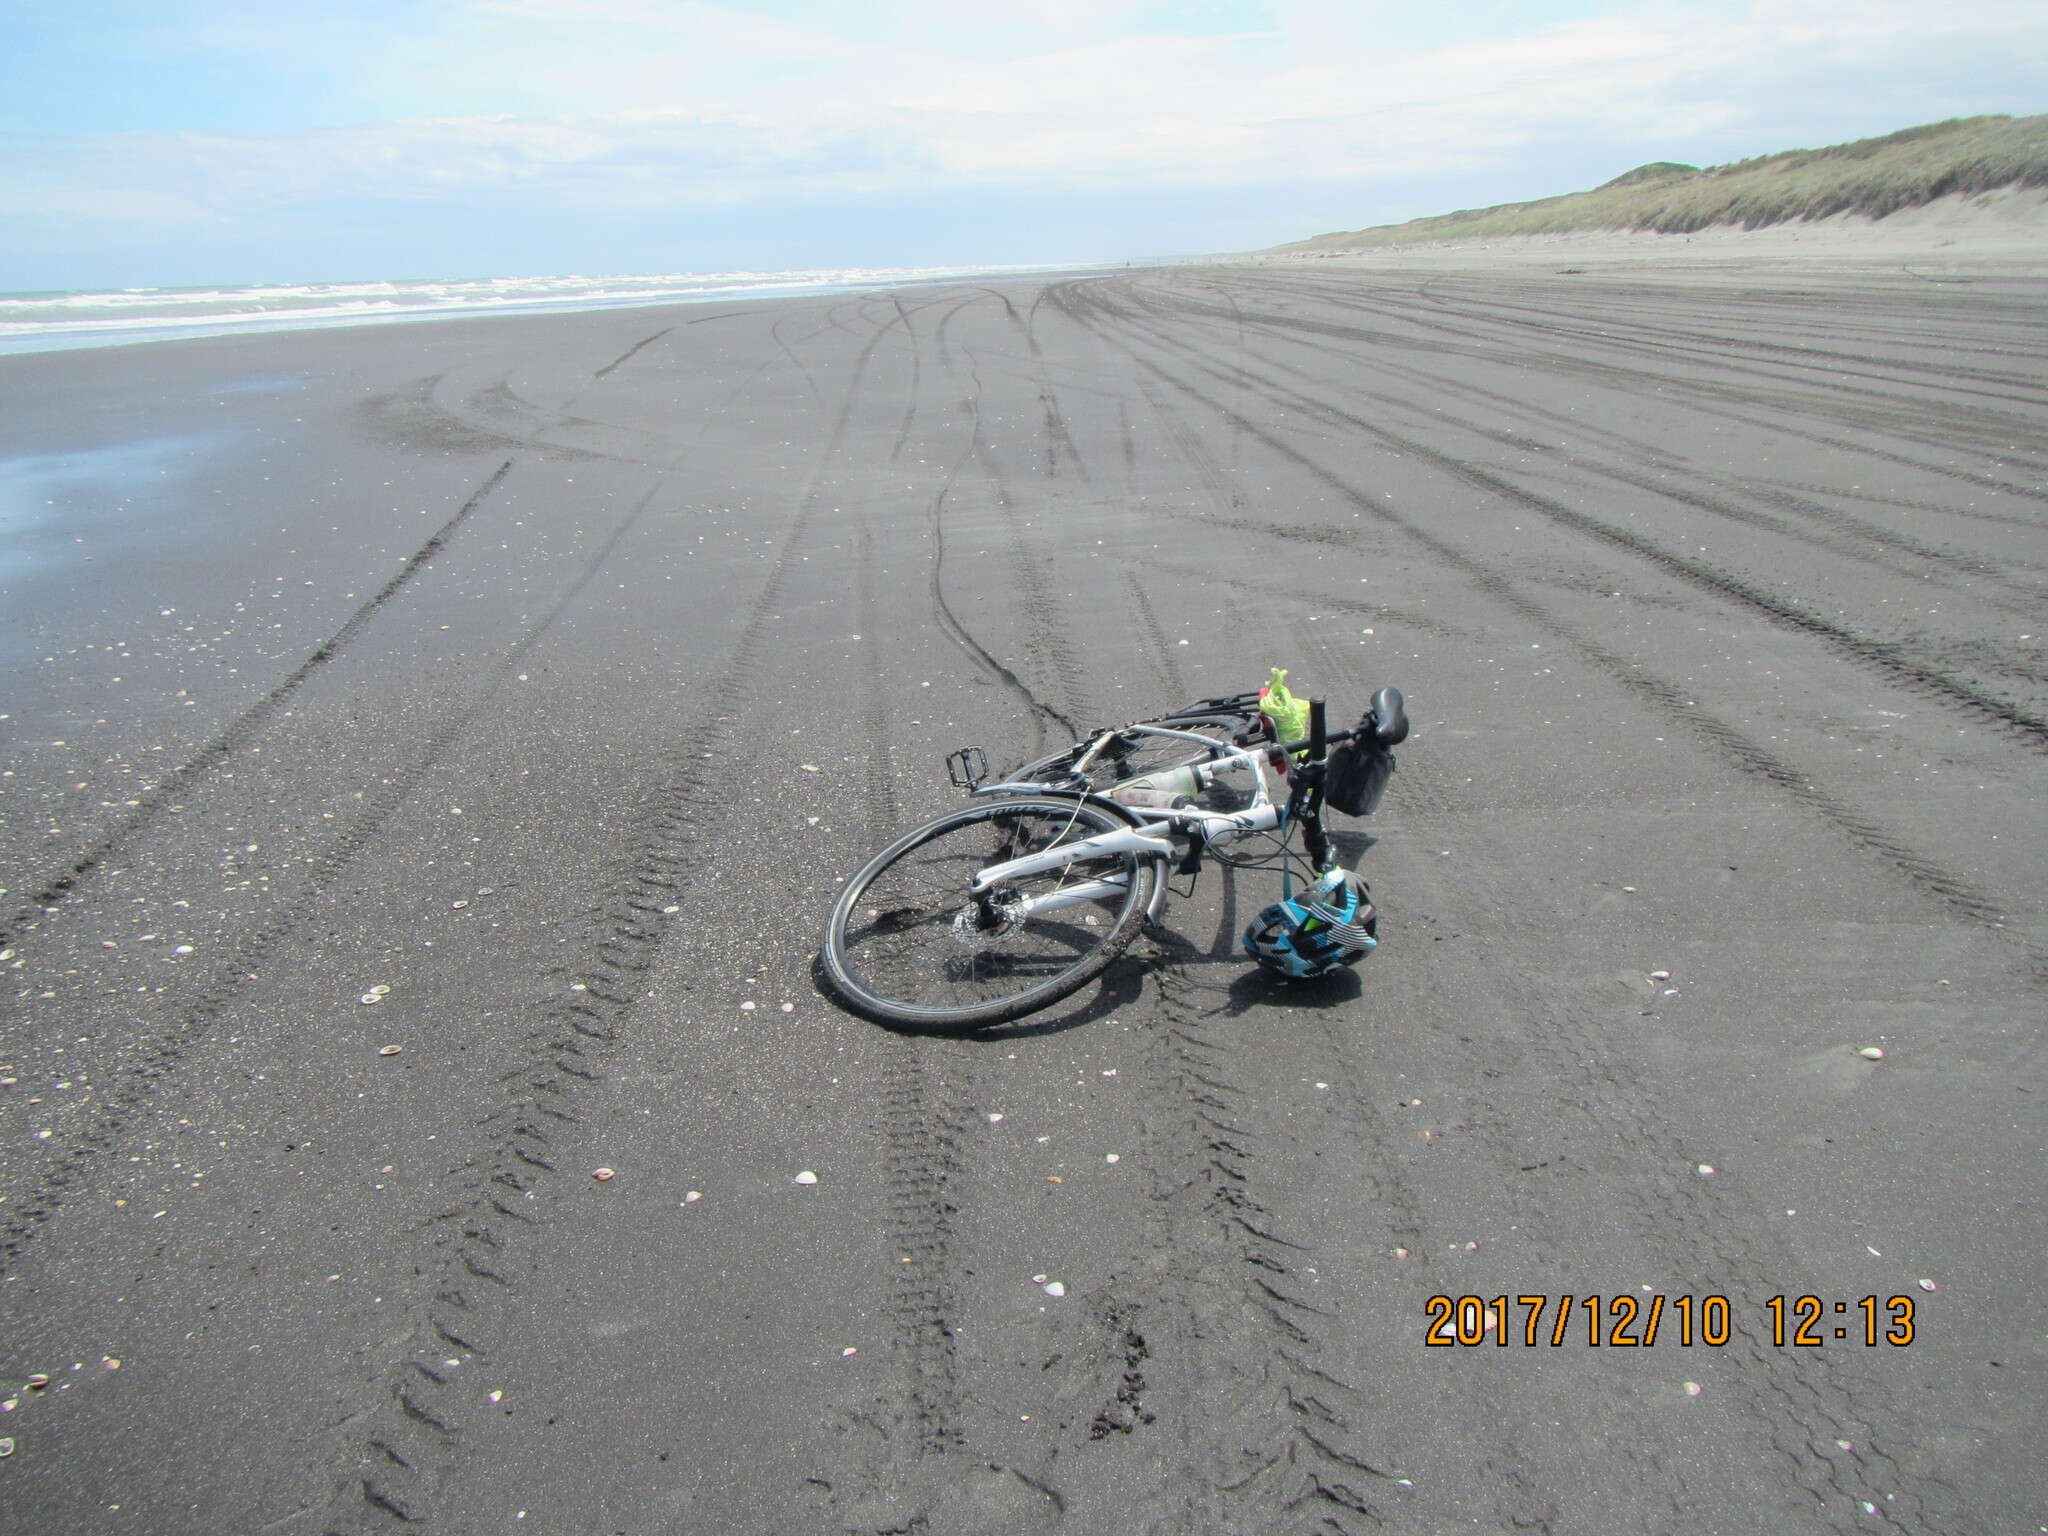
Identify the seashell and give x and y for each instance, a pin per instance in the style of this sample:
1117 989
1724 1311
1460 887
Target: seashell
604 1175
389 1050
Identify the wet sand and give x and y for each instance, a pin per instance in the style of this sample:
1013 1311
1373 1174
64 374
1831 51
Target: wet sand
548 672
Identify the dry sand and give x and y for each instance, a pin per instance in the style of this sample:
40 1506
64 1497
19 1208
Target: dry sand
1963 234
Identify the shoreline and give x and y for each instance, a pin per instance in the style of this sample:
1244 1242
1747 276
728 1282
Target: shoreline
405 302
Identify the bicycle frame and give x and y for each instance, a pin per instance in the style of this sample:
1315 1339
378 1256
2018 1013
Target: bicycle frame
1213 827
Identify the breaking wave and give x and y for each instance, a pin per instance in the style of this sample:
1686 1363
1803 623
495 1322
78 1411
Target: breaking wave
45 321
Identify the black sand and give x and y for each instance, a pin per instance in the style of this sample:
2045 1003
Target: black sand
548 673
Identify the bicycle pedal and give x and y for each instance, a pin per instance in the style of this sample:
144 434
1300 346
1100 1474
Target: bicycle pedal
967 768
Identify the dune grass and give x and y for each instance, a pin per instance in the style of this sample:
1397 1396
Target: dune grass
1874 177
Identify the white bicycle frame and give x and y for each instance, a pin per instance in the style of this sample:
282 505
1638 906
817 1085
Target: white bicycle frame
1213 827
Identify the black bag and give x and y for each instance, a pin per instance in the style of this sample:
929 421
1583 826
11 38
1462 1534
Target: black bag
1356 773
1356 776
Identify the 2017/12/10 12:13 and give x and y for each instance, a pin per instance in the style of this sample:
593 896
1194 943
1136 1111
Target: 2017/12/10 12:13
1639 1321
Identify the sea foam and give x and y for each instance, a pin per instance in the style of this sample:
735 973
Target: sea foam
34 322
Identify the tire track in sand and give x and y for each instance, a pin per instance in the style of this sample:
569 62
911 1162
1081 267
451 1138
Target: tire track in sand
1885 658
393 1453
907 1464
1730 743
57 885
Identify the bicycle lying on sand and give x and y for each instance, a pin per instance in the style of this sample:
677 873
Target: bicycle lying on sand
1032 889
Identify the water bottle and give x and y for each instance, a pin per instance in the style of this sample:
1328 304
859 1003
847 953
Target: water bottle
1138 793
1188 779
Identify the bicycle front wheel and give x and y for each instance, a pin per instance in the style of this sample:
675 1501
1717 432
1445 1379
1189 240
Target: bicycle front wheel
908 943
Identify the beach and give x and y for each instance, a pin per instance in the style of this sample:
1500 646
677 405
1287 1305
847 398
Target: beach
430 753
1973 233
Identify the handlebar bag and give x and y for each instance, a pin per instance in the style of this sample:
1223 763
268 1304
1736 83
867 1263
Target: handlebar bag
1356 774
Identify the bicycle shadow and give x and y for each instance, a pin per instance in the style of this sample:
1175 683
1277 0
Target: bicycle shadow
1118 987
1162 950
1250 985
1350 845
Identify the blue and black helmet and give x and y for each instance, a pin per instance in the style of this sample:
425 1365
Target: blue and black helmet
1330 925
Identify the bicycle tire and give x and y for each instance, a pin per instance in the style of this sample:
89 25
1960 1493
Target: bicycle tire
1146 754
903 945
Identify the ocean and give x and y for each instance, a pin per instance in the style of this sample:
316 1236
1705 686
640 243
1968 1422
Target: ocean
42 322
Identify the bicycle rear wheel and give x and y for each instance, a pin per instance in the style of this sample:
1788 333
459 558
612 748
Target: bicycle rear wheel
1134 754
907 944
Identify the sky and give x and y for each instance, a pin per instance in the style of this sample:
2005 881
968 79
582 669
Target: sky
192 142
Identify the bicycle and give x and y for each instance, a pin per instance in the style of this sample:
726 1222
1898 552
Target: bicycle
1026 894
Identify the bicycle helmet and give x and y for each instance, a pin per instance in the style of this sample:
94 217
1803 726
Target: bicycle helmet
1329 926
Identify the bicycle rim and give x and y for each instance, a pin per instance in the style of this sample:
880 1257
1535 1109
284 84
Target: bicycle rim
906 942
1134 755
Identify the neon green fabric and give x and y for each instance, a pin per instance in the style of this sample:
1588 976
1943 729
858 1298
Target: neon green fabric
1288 714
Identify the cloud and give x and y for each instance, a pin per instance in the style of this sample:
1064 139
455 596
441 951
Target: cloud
574 108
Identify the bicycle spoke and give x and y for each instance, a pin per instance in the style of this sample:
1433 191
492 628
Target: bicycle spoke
917 937
1135 754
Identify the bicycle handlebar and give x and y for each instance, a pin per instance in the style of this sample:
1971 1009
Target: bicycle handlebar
1385 721
1311 742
